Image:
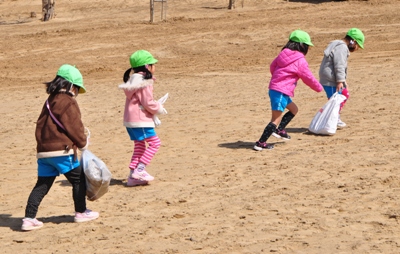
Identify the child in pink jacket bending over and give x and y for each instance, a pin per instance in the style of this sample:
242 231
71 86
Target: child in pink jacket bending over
286 69
140 107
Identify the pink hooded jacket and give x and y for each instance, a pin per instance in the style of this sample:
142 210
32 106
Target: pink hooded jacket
287 68
140 105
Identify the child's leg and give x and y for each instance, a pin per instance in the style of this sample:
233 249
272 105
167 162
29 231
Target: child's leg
154 144
293 109
269 129
40 190
77 179
140 172
285 120
138 150
261 143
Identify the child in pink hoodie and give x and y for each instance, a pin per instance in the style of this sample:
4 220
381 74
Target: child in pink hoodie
286 69
140 107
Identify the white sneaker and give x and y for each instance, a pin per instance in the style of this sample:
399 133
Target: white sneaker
340 123
131 182
87 215
140 173
31 224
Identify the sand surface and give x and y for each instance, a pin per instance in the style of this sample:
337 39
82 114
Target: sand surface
212 192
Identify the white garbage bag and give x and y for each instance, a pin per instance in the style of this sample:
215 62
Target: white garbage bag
325 121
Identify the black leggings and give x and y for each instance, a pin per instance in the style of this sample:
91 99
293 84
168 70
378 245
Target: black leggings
76 177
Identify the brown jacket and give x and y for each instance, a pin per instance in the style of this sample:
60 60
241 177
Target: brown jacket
52 140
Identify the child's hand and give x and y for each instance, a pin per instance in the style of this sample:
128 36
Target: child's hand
339 87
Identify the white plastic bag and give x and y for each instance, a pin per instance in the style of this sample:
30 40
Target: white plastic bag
98 176
325 121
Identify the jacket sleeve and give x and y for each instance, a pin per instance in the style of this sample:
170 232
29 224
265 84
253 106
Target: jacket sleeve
71 119
340 64
307 77
145 96
272 66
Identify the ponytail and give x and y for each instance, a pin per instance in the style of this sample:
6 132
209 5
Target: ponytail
127 74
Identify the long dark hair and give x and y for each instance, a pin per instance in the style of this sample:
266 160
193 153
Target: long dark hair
298 46
143 69
60 85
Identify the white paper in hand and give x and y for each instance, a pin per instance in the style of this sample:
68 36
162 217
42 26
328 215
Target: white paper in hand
163 99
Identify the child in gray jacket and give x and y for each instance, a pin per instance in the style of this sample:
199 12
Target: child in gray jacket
333 69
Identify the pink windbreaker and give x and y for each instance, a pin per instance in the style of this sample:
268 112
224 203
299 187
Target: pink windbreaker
287 68
140 105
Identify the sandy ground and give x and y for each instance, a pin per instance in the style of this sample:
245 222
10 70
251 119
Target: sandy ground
212 193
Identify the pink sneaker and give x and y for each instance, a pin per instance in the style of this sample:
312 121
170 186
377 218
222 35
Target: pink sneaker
31 224
141 173
87 215
135 182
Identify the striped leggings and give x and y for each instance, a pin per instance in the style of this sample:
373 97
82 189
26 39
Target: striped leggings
143 154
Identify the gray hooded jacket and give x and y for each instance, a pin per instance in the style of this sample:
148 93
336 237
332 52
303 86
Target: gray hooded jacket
333 68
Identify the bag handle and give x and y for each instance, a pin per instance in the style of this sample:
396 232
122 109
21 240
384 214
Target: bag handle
62 127
53 117
60 124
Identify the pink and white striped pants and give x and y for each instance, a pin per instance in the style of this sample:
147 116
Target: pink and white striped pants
143 154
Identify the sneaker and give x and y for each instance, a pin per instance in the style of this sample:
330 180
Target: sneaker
135 182
31 224
87 215
341 124
259 146
141 173
281 134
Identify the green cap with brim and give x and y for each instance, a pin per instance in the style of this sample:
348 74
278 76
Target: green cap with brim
300 36
357 35
73 75
142 58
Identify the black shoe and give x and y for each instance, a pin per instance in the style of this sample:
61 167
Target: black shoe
281 134
261 146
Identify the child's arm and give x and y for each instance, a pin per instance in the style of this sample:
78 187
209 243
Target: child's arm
308 78
71 120
145 96
340 65
272 66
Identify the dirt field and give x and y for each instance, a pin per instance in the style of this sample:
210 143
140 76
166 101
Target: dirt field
212 192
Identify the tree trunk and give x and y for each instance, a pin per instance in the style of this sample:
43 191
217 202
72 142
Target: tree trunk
231 4
48 9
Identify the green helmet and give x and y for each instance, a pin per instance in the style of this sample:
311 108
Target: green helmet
300 36
357 35
141 58
73 75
